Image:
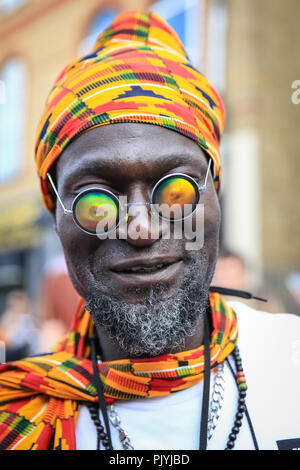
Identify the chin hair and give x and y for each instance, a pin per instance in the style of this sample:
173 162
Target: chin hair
156 326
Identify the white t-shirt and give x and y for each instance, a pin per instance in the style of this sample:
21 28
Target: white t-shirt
270 350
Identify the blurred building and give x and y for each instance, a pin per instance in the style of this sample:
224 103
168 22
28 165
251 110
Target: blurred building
247 49
262 165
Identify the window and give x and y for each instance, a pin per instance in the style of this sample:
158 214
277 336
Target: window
201 26
101 22
9 6
185 16
12 113
216 54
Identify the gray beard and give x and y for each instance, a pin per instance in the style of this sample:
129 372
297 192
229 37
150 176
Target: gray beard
156 326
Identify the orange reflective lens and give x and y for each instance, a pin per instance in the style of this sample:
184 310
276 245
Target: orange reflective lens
175 197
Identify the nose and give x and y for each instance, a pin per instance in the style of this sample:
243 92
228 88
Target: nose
141 227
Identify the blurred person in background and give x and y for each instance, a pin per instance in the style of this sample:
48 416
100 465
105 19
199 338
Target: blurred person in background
57 304
232 271
18 328
150 336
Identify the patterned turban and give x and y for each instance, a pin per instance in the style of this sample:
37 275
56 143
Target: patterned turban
137 71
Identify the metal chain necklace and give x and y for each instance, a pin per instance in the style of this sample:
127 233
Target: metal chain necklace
214 414
217 397
116 422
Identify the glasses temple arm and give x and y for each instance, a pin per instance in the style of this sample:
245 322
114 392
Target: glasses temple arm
203 187
209 163
66 211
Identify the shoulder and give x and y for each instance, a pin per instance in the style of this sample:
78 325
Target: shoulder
270 346
244 309
270 350
273 337
272 328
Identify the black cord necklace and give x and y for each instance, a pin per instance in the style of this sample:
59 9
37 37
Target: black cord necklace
94 408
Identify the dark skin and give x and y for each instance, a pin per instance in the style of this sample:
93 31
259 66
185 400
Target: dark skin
128 159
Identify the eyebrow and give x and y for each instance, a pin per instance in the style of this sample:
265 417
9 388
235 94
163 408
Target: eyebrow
166 161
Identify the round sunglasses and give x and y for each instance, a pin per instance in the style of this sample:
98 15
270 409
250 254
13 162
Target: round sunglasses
97 211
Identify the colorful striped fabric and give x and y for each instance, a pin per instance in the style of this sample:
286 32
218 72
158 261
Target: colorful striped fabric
137 71
40 397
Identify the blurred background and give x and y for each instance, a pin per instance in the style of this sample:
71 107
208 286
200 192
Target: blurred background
250 52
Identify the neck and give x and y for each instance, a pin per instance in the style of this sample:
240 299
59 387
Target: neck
111 351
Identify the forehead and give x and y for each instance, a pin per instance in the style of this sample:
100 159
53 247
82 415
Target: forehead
129 146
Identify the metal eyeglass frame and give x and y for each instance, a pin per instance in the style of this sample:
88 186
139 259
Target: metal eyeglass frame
129 204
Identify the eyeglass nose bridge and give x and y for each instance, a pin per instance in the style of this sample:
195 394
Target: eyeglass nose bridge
155 210
130 204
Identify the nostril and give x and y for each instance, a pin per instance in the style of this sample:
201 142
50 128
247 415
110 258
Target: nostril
141 229
139 218
140 225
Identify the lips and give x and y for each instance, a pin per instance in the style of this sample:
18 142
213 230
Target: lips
141 266
138 272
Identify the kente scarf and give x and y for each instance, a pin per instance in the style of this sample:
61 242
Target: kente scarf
137 71
40 396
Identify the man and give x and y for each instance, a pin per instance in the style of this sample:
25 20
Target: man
151 361
234 272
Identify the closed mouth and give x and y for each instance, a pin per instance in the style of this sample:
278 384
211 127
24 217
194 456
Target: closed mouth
144 269
144 273
143 266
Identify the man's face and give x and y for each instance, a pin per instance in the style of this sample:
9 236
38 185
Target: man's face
150 312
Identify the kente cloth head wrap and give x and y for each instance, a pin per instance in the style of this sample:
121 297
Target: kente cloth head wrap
40 396
137 71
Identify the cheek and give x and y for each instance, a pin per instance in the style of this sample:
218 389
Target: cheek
202 251
205 223
77 248
212 216
74 240
212 223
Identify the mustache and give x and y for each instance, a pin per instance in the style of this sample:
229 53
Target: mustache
114 251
